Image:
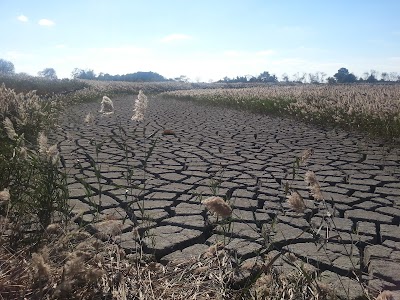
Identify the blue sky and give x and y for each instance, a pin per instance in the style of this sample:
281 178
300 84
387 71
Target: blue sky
203 40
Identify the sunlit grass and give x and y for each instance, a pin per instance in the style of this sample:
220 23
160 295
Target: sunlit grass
42 256
372 109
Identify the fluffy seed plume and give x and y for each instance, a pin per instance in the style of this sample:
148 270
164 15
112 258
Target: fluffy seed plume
296 202
385 295
316 192
313 184
306 155
42 142
4 196
89 118
310 178
23 153
41 267
140 107
107 106
9 127
218 206
51 153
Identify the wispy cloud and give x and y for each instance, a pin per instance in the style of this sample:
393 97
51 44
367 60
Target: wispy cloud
266 52
175 37
46 22
233 53
22 18
121 50
239 53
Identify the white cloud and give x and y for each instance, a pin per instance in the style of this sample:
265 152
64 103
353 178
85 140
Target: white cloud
122 50
22 18
233 53
265 52
175 37
46 22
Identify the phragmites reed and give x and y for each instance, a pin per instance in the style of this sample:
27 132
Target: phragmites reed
89 118
306 155
313 184
9 127
4 196
296 202
218 206
49 152
42 269
140 107
107 106
385 295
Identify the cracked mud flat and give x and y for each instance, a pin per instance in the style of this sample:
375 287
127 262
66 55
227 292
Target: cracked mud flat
251 156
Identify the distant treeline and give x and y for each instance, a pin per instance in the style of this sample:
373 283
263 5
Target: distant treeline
343 75
138 76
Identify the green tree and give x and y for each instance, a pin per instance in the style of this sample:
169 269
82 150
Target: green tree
266 77
6 67
83 74
48 73
344 76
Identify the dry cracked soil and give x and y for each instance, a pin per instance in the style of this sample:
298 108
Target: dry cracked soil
246 158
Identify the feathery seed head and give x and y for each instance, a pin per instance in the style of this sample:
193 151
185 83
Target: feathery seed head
42 142
218 206
4 196
296 202
385 295
313 184
89 118
306 155
310 178
9 127
107 106
140 107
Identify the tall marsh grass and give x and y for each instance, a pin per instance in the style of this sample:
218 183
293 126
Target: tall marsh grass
373 109
43 256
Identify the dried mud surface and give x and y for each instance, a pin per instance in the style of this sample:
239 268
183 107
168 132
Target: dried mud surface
246 158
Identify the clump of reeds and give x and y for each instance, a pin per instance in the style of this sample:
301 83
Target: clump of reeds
140 107
29 170
373 109
107 106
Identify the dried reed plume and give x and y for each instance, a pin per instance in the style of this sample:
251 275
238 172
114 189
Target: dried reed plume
23 153
89 118
107 106
9 127
313 184
296 202
41 268
385 295
306 155
140 107
4 196
42 142
218 206
51 153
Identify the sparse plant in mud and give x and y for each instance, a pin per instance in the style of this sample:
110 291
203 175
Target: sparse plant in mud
218 206
140 107
107 106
